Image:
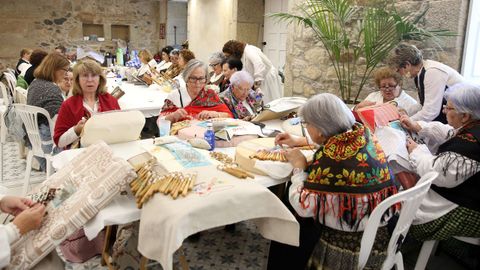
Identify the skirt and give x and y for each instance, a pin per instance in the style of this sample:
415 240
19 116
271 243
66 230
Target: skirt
460 221
340 250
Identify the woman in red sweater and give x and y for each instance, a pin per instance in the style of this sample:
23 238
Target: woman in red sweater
89 97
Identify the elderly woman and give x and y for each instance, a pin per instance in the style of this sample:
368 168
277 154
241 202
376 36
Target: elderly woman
230 66
89 96
431 78
452 205
348 177
165 63
174 70
43 92
215 62
193 101
147 62
389 84
259 66
242 101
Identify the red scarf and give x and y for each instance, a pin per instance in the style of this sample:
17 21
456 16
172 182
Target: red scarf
205 100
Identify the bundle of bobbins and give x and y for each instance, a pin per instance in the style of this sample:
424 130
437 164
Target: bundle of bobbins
148 183
273 155
229 166
44 197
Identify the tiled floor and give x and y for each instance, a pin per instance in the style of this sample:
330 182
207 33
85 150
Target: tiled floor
216 249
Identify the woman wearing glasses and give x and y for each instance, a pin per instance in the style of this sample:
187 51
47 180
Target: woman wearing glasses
452 205
389 83
193 101
241 99
337 192
215 62
431 78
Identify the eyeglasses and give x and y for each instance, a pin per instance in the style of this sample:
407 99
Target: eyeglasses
238 88
388 87
446 108
303 124
197 79
212 65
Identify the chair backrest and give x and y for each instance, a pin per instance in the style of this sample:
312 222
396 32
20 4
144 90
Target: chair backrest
29 115
411 200
5 97
10 82
20 95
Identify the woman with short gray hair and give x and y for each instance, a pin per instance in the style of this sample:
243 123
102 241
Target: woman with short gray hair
346 180
431 78
244 102
452 205
215 62
193 101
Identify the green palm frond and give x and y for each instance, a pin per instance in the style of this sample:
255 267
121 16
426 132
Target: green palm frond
349 32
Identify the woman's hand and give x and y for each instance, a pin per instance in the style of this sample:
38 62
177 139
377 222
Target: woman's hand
364 103
410 124
14 205
208 115
411 145
178 115
79 126
287 139
30 219
296 158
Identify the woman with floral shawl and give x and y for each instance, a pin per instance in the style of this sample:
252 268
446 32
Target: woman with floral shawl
242 101
347 179
192 100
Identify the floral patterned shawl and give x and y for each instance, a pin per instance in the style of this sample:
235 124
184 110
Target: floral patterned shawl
254 100
205 100
352 166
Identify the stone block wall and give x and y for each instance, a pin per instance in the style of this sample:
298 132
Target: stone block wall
309 71
48 23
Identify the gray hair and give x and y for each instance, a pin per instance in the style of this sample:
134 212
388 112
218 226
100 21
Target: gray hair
404 54
217 58
191 66
241 76
328 114
175 52
465 98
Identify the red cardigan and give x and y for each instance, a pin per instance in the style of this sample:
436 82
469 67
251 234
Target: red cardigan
72 111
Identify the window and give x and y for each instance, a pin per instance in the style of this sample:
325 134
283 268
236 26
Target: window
121 32
90 29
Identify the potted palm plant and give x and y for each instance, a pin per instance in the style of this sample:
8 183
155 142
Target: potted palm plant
358 37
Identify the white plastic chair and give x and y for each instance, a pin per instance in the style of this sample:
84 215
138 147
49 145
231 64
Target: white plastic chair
429 247
411 200
29 115
3 128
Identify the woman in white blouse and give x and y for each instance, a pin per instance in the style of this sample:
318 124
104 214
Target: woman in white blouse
389 84
431 78
452 205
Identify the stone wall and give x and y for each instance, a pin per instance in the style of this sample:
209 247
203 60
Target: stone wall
48 23
250 21
309 71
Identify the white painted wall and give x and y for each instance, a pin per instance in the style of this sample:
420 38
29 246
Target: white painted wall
177 16
471 52
211 23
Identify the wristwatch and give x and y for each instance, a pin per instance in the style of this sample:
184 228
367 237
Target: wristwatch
297 171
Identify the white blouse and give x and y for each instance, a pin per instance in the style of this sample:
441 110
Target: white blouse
435 206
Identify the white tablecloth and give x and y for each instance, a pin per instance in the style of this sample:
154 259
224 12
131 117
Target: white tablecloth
236 201
149 100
